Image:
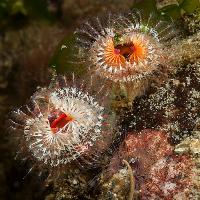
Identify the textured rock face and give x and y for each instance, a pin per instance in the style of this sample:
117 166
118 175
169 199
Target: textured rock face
159 173
170 178
192 22
144 149
117 187
173 107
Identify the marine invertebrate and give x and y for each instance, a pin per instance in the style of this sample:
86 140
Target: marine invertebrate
63 122
128 52
126 48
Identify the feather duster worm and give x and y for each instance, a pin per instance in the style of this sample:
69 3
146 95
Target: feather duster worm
63 122
126 48
128 52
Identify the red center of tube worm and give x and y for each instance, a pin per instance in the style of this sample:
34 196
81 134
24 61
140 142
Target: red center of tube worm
125 50
60 122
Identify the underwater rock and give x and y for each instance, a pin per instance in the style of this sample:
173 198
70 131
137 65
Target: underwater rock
173 107
170 178
146 147
72 185
190 145
187 50
116 187
142 149
158 172
192 22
